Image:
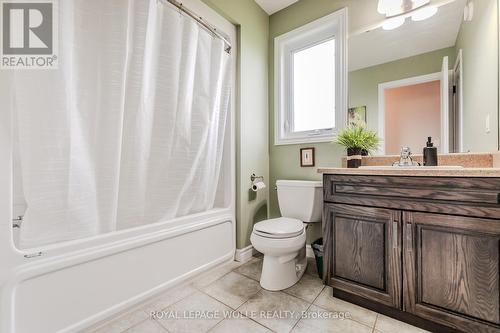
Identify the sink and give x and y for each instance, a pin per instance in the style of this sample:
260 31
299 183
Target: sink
414 167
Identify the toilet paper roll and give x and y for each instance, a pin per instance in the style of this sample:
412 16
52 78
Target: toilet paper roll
258 186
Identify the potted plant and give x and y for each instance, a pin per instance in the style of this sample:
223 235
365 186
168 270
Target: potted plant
358 141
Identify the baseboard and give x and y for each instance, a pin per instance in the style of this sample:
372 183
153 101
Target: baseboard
244 254
309 251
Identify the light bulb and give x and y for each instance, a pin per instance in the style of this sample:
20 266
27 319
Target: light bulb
424 13
388 7
393 23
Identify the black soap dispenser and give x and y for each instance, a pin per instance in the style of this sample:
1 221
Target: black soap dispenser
430 153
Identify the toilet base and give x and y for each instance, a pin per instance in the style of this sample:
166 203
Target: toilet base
279 273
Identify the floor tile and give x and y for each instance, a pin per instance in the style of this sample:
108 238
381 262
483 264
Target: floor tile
312 269
147 326
251 269
195 313
388 325
275 310
239 325
357 313
308 288
224 285
168 298
214 274
257 254
123 322
233 289
319 320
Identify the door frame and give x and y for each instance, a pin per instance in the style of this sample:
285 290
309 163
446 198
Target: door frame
382 87
458 113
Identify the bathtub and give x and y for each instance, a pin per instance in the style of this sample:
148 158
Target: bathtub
71 286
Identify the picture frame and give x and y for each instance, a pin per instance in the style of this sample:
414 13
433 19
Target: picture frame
307 157
357 116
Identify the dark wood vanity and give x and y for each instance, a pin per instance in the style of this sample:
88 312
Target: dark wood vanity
422 249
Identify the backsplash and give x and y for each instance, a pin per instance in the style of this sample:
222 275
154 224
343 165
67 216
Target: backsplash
467 160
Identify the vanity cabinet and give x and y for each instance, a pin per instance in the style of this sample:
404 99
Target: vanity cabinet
422 249
451 269
365 251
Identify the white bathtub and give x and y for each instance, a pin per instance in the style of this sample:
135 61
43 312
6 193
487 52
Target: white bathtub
73 285
76 284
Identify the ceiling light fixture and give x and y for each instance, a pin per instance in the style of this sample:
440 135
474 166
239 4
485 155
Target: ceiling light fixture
387 7
396 11
397 7
424 13
393 23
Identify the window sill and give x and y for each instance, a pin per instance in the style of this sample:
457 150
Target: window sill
303 140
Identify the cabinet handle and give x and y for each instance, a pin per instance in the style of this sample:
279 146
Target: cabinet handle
395 234
409 238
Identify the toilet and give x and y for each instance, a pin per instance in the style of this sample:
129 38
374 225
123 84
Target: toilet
283 240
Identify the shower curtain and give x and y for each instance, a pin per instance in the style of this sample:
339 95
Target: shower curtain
129 130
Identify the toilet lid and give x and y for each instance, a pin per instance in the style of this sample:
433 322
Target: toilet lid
281 227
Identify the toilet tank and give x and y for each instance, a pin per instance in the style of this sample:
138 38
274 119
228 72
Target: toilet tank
301 199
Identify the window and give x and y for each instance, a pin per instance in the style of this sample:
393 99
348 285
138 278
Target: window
314 87
310 76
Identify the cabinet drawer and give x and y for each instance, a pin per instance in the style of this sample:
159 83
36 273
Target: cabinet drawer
427 192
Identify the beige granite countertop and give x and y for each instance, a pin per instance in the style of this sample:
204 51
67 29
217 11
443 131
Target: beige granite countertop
474 165
413 172
467 160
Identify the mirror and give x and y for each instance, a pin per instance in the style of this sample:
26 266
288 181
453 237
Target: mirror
420 68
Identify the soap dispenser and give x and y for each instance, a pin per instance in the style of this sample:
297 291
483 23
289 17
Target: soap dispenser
430 153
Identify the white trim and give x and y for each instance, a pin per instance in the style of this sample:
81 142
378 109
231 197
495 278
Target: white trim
310 139
244 254
459 63
444 146
396 84
334 24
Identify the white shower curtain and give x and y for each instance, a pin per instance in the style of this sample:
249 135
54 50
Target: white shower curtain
129 130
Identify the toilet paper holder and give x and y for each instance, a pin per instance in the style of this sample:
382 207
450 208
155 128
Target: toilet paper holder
253 177
257 183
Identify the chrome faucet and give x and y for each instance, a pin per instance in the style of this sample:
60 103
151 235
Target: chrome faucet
405 158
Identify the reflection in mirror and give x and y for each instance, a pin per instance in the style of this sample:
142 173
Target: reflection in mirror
426 68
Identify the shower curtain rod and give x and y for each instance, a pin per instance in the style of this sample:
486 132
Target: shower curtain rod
202 22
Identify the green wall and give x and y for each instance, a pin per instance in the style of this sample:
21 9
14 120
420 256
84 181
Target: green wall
255 149
252 110
363 90
284 160
478 40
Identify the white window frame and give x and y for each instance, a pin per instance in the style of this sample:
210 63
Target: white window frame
321 30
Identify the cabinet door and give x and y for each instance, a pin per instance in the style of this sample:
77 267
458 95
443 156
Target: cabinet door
451 270
363 252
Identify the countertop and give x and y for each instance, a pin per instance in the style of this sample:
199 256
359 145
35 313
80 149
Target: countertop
441 172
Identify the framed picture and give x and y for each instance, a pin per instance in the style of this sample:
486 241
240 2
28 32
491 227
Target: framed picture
357 116
307 157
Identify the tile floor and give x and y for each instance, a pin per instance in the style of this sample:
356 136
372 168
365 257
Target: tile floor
229 299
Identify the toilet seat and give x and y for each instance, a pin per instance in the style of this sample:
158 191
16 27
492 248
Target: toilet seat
278 228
